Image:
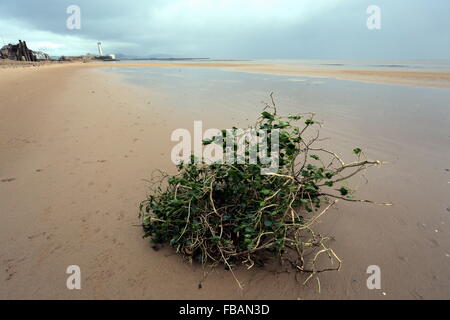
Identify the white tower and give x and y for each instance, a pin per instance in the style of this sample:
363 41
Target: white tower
100 51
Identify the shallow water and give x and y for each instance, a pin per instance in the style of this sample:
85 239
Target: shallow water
401 65
395 108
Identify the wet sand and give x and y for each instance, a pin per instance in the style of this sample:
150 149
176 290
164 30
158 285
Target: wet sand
76 144
434 79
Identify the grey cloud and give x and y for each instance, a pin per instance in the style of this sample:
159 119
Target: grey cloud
332 29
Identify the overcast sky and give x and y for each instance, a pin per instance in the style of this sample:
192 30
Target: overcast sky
311 29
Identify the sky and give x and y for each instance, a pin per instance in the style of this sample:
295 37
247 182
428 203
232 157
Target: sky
233 29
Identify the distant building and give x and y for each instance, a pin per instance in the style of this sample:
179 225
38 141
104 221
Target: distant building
101 56
100 50
40 56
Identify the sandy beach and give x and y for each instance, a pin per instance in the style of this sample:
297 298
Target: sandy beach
77 143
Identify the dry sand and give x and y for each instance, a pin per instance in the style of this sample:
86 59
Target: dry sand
75 145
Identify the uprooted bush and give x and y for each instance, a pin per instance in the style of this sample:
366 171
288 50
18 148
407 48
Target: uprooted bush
231 214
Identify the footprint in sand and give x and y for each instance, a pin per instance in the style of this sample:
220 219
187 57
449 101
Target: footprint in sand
417 295
37 235
121 215
421 226
11 272
434 242
55 249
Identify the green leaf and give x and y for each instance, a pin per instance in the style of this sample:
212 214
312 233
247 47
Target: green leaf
316 157
249 229
282 124
329 175
207 141
309 122
344 191
176 201
268 223
267 115
357 150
